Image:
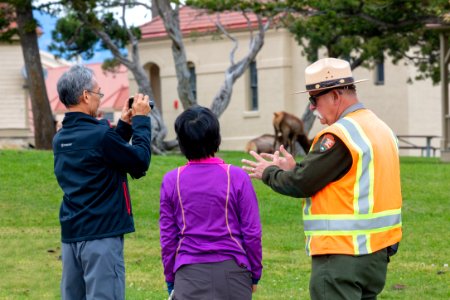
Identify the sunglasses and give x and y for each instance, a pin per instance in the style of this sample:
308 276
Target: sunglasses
313 99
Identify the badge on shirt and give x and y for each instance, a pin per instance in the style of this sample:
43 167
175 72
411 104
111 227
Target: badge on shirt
327 142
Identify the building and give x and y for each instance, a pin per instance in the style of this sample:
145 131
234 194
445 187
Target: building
113 85
16 124
270 83
267 87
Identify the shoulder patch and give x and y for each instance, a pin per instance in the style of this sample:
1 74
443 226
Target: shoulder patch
327 142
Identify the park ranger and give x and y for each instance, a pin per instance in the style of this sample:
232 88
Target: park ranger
351 184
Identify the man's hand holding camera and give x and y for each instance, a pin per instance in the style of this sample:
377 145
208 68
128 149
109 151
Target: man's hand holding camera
139 105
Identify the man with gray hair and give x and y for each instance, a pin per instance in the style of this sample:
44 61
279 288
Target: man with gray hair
91 162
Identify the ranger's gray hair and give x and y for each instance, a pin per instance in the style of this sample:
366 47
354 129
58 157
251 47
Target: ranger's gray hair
72 84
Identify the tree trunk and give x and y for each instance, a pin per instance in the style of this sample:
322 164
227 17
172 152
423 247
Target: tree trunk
44 123
154 9
170 18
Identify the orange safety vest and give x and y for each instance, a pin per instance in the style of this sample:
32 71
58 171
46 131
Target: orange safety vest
361 212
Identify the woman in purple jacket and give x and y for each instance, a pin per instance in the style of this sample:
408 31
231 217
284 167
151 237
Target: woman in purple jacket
209 218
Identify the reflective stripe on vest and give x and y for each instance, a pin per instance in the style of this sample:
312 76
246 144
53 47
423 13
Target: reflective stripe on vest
351 224
363 201
307 206
363 222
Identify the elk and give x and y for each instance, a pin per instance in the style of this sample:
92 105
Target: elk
263 143
289 129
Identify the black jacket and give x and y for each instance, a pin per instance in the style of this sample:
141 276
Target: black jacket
91 162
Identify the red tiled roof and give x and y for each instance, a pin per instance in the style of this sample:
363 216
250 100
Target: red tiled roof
116 100
115 86
198 20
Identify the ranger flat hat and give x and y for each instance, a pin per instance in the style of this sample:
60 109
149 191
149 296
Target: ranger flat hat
328 73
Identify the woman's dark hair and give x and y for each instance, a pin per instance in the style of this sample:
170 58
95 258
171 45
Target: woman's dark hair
198 132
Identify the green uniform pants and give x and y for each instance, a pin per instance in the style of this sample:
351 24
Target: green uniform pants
348 277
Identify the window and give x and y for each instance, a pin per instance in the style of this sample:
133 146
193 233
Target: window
253 104
193 79
379 73
155 82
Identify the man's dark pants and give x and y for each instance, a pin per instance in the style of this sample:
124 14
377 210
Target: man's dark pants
348 277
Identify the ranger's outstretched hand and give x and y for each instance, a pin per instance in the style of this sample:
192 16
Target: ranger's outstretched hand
256 168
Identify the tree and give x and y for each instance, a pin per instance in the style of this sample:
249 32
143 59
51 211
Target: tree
236 70
21 11
169 15
78 32
366 32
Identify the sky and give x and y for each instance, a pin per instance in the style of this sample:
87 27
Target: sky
136 17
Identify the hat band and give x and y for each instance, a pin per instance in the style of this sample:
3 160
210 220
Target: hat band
330 83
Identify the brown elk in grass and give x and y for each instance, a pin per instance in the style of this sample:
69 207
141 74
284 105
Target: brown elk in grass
263 143
289 129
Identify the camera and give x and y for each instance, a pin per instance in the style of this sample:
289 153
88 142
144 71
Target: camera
131 100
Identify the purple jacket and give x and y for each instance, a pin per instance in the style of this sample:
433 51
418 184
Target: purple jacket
213 216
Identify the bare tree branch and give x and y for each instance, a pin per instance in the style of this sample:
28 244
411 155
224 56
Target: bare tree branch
228 35
234 71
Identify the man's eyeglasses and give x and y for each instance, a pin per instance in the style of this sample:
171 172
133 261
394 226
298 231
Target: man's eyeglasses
100 95
313 99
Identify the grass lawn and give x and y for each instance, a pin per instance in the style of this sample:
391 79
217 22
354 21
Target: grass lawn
30 266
